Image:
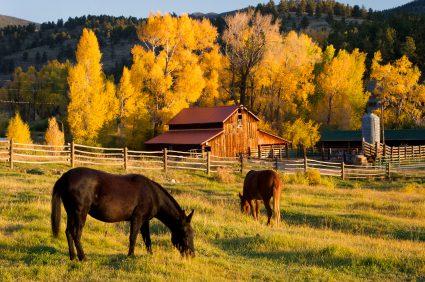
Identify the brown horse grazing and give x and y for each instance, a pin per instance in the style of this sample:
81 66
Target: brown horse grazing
112 198
262 185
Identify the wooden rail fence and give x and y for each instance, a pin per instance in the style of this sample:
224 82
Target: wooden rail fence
75 154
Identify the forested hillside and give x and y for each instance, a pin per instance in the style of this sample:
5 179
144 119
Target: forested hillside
301 67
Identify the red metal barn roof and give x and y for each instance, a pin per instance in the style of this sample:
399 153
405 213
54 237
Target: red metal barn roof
205 115
194 137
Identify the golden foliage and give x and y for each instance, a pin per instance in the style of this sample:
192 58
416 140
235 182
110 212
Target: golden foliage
93 102
180 62
399 91
302 134
18 130
54 136
341 84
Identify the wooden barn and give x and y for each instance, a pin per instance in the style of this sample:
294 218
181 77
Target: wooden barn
225 131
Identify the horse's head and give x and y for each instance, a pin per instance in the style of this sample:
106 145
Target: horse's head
245 208
182 237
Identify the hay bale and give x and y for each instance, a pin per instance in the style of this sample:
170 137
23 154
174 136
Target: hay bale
360 160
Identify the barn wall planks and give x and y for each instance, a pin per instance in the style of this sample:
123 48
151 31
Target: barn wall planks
236 139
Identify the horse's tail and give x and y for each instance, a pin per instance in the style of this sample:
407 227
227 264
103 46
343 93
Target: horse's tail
276 199
56 209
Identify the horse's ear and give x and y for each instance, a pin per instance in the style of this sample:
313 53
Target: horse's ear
189 217
182 216
240 195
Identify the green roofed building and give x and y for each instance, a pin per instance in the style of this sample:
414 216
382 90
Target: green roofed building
353 138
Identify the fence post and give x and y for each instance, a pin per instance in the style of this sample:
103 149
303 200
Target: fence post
376 149
11 152
72 155
208 163
343 171
305 161
364 153
125 158
323 154
241 157
405 152
259 151
389 170
165 160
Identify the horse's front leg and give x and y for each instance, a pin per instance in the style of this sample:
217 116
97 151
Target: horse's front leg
136 224
251 204
146 236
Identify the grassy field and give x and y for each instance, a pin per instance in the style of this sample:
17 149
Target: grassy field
354 231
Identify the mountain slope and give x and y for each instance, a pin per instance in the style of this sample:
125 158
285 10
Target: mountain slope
417 6
7 20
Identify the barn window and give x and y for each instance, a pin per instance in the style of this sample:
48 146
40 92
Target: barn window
170 147
372 104
240 118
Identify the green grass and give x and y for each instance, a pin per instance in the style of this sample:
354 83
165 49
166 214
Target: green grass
352 231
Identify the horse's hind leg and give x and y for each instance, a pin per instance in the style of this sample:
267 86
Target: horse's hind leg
68 232
269 210
136 224
80 221
146 236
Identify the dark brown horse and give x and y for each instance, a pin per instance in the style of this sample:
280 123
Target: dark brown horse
113 198
262 185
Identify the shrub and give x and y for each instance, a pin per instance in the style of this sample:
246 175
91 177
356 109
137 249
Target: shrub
313 177
54 136
413 188
224 176
18 130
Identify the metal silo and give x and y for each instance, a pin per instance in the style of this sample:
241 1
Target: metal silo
371 129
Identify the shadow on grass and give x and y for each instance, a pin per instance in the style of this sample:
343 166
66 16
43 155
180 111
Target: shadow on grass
357 224
330 257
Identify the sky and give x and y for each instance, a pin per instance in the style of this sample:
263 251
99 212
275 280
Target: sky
40 11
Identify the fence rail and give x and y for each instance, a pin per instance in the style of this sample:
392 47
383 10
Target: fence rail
401 165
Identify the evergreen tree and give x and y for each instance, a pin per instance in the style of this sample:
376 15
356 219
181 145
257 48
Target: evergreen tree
37 57
304 23
25 56
355 13
283 7
44 58
318 14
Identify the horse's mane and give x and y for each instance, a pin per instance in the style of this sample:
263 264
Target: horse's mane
166 193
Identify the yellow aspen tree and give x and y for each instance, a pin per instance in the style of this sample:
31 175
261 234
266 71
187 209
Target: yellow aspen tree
171 63
398 90
127 102
93 101
283 81
247 39
18 130
302 134
54 137
341 85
